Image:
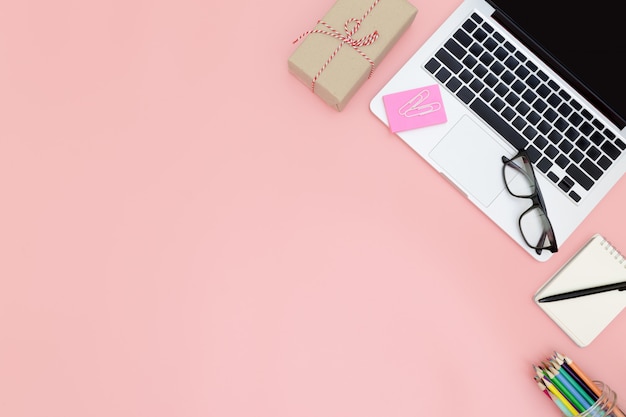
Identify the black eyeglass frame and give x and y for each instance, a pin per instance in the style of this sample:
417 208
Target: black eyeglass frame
535 197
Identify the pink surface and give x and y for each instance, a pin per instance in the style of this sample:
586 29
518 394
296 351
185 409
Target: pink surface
415 108
188 231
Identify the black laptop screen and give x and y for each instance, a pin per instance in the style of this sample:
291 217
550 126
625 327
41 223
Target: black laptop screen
586 38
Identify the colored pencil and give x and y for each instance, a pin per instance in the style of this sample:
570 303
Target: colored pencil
542 387
560 359
589 382
573 383
561 398
575 392
559 385
566 412
582 375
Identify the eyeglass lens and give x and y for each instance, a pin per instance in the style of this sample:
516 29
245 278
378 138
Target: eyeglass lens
535 227
519 178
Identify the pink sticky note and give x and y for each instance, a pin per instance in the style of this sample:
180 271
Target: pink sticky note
415 108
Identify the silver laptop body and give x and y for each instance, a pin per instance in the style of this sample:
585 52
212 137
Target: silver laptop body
468 151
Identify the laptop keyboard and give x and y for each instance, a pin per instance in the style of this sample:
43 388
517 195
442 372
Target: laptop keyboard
528 108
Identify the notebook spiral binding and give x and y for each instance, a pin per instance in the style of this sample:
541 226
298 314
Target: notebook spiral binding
614 252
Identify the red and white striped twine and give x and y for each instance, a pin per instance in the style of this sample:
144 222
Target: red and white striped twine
345 39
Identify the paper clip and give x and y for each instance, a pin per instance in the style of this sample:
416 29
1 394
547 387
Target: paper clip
414 106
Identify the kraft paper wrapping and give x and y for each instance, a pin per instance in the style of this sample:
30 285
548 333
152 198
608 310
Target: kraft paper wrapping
340 53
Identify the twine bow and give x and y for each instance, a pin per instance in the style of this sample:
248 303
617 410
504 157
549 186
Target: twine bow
351 27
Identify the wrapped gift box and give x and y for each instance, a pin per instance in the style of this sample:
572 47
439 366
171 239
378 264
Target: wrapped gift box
341 52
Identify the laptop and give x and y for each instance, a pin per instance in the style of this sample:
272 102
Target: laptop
514 75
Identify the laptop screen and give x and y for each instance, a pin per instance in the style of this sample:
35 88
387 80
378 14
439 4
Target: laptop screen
586 38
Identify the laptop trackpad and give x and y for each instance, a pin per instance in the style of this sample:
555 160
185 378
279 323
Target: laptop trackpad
472 158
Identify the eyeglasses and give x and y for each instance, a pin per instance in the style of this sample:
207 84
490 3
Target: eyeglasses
521 182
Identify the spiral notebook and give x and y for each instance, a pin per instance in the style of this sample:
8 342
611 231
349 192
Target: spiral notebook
583 318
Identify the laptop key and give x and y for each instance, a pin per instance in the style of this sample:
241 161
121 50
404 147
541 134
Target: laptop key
540 141
565 109
543 91
575 119
490 44
466 76
480 70
500 125
530 132
443 74
508 77
501 89
487 95
463 38
604 162
476 85
469 61
533 81
611 150
577 155
598 124
469 26
486 58
572 134
508 113
591 169
555 137
533 118
544 164
533 153
501 53
597 138
540 105
565 95
511 62
583 144
497 104
465 94
593 153
449 61
561 124
476 50
554 100
480 35
432 65
566 184
580 177
456 49
523 108
575 196
566 146
562 161
522 72
550 115
544 127
491 80
519 123
586 128
454 84
553 177
551 151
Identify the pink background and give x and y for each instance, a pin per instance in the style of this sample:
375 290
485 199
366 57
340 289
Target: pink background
187 231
